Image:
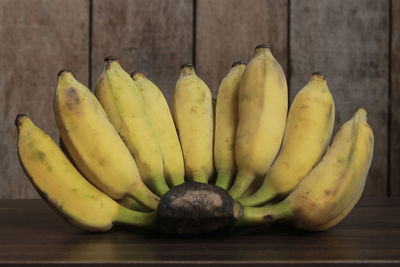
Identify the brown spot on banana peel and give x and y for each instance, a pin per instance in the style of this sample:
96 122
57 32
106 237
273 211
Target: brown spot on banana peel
54 205
195 208
72 98
329 114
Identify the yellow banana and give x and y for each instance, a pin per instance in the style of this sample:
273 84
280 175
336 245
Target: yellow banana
263 104
125 107
226 120
331 187
64 188
164 127
94 144
340 217
194 118
308 132
127 202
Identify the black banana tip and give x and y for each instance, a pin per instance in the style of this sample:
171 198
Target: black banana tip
62 71
323 76
237 63
18 119
133 73
187 65
262 46
110 59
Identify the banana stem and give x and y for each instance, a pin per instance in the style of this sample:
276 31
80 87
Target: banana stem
260 197
200 179
242 182
175 180
265 214
159 185
144 196
132 204
136 218
224 179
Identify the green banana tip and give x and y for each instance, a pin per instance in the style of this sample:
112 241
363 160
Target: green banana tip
361 113
237 63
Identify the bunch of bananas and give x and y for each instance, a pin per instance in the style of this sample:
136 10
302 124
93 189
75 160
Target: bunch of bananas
246 160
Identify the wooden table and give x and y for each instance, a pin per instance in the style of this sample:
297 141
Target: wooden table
31 233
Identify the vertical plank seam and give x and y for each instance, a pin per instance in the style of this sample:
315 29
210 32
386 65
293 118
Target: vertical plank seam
90 42
288 48
389 139
194 15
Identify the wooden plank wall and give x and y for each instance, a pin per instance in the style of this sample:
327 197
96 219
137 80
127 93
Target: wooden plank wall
348 42
394 184
38 38
229 31
355 43
154 37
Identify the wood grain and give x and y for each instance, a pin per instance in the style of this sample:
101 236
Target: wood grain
38 38
229 30
150 36
347 41
31 233
395 101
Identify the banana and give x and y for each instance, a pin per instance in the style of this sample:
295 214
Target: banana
308 132
127 202
263 104
132 204
63 187
332 188
226 120
125 108
340 217
164 127
94 144
194 118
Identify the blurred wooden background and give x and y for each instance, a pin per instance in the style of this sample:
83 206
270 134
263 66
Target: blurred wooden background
356 43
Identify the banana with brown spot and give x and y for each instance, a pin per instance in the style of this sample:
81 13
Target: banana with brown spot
94 144
308 132
226 121
194 118
64 188
263 104
124 105
331 188
164 127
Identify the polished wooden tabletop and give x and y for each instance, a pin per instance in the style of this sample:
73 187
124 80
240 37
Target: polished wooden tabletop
31 233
